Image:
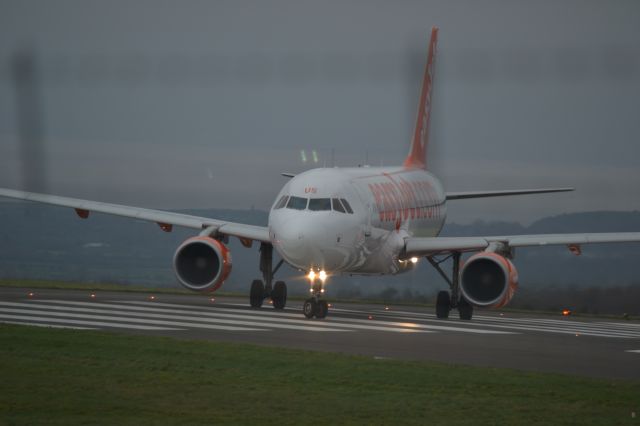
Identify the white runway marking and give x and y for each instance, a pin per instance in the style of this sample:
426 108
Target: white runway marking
228 316
148 315
596 329
71 321
482 324
635 351
128 320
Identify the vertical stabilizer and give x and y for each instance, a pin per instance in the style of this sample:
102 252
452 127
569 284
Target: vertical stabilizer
418 154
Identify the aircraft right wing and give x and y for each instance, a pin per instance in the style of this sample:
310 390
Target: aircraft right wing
423 246
166 220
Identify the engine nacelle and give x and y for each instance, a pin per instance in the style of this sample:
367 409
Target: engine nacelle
202 264
488 280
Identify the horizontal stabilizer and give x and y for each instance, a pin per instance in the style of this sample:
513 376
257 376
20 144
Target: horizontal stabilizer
486 194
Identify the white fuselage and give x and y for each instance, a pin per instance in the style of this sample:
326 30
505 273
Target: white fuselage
317 230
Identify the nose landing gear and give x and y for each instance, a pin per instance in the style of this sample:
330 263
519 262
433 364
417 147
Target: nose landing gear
315 306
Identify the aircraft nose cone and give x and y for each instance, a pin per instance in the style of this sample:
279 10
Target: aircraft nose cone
299 244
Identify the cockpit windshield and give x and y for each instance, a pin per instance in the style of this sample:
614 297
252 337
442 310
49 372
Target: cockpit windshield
281 202
339 205
297 203
320 204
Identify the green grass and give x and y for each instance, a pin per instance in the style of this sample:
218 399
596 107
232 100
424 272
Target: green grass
51 376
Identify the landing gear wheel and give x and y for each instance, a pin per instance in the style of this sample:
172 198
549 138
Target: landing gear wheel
256 297
309 308
279 295
322 308
443 304
465 309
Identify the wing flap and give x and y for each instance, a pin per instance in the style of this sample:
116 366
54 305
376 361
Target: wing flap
259 233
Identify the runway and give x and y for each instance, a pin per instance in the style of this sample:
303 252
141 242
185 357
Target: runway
587 347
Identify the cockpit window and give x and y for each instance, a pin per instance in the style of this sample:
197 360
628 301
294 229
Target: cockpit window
282 202
297 203
319 204
346 205
337 205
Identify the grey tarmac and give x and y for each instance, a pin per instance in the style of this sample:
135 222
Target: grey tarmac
592 347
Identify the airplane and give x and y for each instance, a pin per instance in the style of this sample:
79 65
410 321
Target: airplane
358 220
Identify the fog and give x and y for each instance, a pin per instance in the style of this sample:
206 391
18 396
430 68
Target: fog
202 104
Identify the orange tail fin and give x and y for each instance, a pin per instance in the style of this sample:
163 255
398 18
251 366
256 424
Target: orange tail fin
418 154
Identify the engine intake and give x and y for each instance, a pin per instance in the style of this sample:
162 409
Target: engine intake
202 264
488 280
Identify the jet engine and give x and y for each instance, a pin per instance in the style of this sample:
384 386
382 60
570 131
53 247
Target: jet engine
202 264
488 280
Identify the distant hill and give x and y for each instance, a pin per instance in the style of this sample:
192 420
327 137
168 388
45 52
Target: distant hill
45 242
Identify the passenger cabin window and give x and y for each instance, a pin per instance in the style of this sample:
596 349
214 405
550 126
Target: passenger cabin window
282 202
320 204
297 203
346 205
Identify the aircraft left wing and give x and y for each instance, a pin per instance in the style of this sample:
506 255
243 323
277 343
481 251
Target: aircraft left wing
166 220
442 245
503 193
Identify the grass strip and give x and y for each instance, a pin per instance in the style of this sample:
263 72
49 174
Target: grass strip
54 376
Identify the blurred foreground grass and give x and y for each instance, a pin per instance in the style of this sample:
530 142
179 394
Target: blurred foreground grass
55 376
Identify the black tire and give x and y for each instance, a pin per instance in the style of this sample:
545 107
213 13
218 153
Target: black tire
309 308
279 295
443 304
465 309
256 297
322 308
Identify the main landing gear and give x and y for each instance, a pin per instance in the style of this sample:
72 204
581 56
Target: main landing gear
261 290
315 306
448 300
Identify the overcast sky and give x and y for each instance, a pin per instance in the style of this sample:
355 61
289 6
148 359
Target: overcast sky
191 104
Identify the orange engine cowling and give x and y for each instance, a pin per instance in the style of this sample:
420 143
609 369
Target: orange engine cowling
202 264
488 280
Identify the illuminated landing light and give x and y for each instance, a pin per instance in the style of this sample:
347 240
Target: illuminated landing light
566 312
414 260
93 295
311 290
370 317
152 298
271 302
322 276
213 299
30 294
311 276
386 308
322 290
330 305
